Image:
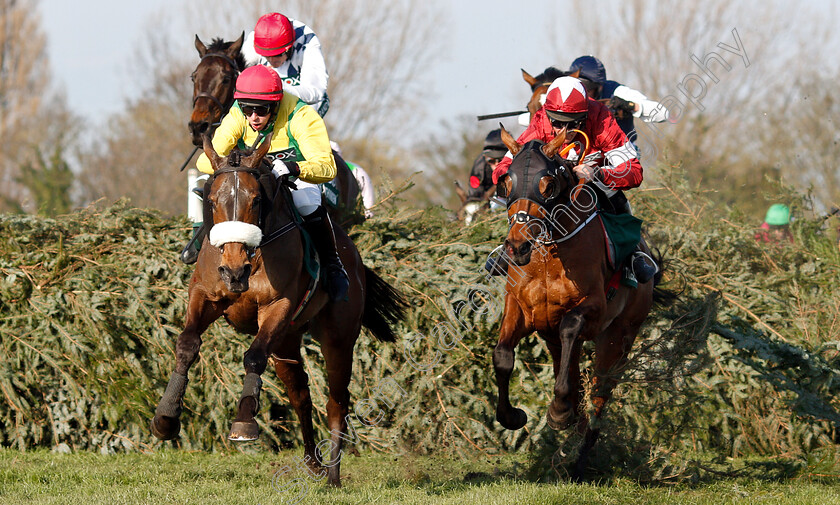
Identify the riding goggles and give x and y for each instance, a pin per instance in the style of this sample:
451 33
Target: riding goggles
568 125
260 110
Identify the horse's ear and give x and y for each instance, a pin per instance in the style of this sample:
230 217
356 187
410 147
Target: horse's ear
254 159
507 139
236 46
530 79
212 155
575 74
460 192
552 147
202 49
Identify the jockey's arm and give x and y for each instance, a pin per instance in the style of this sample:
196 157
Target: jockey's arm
225 138
313 74
649 111
621 168
309 131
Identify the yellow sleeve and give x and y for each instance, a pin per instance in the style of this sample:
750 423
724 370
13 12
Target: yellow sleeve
231 129
310 132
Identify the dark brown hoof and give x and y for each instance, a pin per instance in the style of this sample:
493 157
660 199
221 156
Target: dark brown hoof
513 420
244 431
560 421
165 428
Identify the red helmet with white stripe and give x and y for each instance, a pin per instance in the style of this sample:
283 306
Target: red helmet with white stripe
273 34
259 83
566 100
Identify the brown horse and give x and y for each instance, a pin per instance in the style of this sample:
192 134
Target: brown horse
255 277
214 80
558 284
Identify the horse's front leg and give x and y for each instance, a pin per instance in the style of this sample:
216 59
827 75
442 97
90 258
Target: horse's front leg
255 360
513 330
201 313
562 411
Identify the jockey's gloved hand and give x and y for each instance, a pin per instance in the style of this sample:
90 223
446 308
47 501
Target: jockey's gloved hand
280 168
621 108
588 170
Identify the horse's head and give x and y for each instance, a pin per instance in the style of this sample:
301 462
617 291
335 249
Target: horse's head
538 187
213 84
235 208
540 84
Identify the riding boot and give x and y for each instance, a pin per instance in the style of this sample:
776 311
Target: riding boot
319 228
189 254
644 268
496 262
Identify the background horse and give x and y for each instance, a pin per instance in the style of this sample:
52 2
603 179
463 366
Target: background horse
261 286
214 80
559 277
540 84
472 205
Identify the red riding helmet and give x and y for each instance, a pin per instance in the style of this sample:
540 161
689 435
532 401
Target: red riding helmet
566 100
273 34
259 83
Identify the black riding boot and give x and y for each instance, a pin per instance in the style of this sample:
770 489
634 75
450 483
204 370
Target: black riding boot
644 268
189 254
319 228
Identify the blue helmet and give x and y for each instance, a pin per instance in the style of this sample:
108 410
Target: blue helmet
590 68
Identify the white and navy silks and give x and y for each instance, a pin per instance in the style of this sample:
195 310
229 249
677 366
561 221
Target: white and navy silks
305 73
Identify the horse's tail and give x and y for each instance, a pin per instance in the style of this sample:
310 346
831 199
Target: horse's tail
661 296
384 307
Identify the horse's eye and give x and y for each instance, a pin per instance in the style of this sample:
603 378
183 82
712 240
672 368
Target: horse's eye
226 79
192 77
256 202
548 187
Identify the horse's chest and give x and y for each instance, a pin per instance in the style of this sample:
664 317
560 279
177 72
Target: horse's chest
545 303
243 316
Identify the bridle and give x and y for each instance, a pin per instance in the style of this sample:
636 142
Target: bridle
233 73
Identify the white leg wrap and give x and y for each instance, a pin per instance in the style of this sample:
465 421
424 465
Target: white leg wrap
235 231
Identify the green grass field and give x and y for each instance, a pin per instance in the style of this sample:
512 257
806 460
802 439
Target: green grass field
178 477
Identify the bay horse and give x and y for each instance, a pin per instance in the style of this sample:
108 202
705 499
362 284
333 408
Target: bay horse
558 284
214 80
255 277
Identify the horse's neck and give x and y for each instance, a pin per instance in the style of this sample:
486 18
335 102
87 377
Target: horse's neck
567 219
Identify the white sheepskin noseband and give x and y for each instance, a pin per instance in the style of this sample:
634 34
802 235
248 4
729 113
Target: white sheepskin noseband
235 231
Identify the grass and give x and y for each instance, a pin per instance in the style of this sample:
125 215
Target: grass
170 476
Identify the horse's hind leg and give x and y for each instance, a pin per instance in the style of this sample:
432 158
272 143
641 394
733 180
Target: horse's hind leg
611 350
166 423
512 331
289 367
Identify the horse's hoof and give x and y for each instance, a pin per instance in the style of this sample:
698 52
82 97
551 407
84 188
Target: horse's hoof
244 431
165 428
333 477
514 421
560 421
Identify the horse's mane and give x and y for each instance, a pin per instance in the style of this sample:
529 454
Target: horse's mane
219 45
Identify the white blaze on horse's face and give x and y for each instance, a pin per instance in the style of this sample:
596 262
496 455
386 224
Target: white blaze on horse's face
235 230
470 211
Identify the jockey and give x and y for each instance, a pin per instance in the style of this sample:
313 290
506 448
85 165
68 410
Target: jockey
293 50
362 179
300 148
611 166
624 102
776 225
481 175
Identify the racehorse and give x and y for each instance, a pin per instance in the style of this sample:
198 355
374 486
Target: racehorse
561 284
472 205
255 276
214 80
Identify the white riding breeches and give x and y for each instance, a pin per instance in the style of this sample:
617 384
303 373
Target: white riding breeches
307 197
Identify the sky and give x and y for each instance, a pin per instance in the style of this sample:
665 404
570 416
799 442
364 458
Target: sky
479 73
